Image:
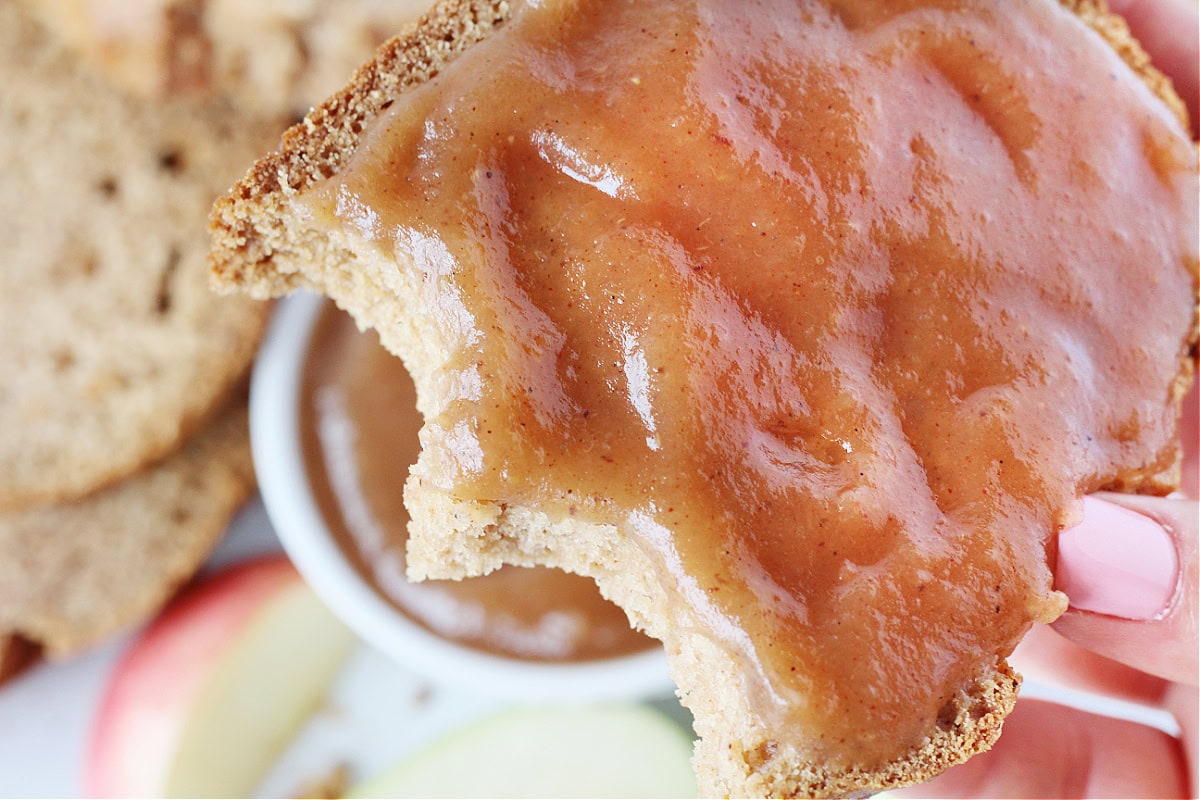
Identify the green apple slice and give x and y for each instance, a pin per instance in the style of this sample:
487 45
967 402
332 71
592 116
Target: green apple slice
593 751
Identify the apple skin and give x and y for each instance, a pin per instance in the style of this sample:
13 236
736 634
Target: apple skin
169 698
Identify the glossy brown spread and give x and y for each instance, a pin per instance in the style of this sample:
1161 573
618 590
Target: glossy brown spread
359 427
836 307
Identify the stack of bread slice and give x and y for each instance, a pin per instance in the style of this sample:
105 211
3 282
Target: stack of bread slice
123 433
267 57
124 449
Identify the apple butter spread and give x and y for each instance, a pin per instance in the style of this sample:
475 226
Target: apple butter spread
359 427
836 308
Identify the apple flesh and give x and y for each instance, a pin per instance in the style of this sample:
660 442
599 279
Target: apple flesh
595 751
204 700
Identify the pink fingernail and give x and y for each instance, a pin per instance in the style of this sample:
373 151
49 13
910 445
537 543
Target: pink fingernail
1117 562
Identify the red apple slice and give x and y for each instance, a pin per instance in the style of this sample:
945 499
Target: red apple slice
211 692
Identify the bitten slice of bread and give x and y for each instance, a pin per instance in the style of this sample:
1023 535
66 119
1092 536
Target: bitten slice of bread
112 346
265 246
73 574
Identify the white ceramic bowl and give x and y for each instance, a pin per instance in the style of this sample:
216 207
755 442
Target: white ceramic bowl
283 481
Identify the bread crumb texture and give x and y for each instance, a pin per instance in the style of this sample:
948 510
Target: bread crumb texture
76 573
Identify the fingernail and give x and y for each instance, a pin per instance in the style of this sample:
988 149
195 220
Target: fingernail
1117 562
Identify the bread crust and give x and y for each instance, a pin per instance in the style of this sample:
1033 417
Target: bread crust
314 148
16 655
257 249
247 224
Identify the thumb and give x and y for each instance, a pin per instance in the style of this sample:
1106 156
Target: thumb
1129 571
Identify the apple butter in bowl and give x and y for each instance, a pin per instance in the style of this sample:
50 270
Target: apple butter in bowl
360 424
335 429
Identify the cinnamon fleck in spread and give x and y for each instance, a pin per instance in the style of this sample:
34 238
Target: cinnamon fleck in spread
836 307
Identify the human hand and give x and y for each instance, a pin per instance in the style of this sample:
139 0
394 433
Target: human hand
1130 570
1167 30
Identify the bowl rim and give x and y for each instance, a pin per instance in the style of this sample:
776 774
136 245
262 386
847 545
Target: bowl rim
275 387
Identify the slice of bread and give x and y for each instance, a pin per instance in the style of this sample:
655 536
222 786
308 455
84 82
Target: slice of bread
275 58
267 244
112 346
74 574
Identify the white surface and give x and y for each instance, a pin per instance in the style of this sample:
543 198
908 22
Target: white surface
44 721
375 715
